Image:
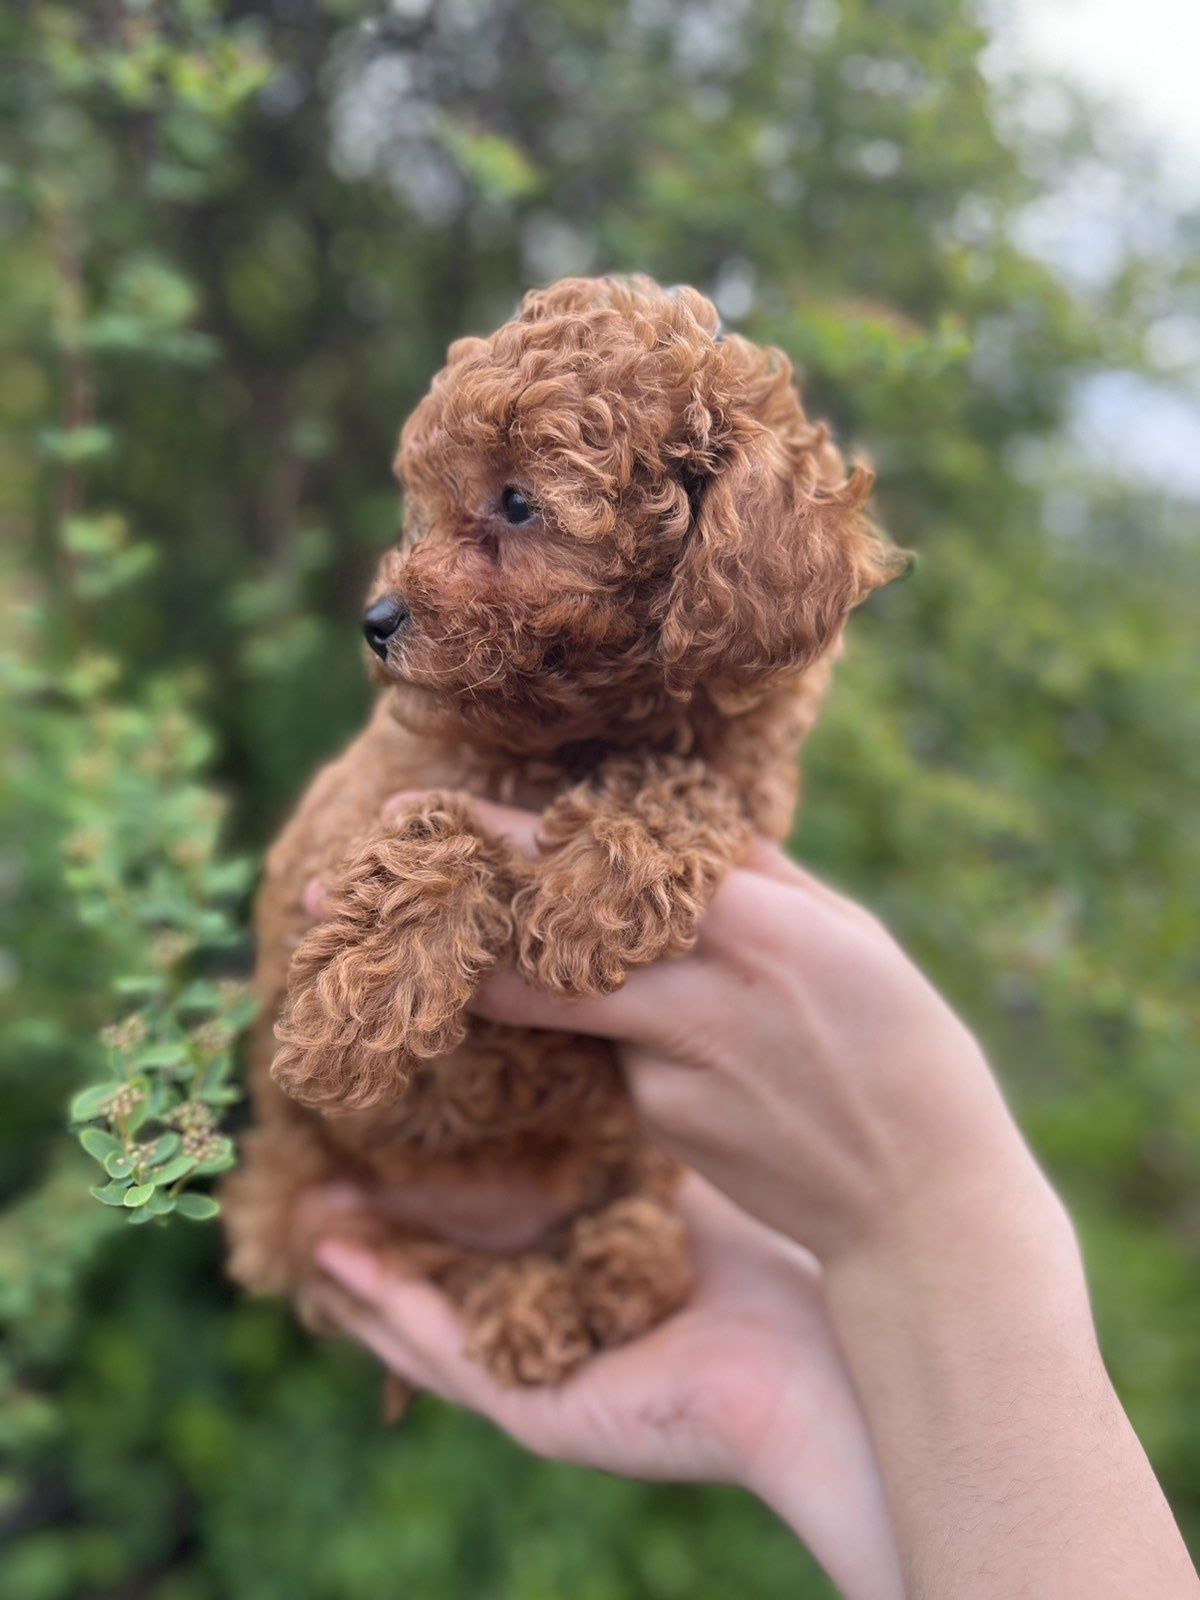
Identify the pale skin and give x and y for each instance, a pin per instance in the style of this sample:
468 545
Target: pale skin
891 1342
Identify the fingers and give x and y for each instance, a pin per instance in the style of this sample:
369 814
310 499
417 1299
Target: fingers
521 828
498 821
767 898
408 1324
415 1331
732 1249
326 1206
644 1011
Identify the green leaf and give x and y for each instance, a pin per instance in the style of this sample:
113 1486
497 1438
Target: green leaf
242 1011
172 1053
220 1095
228 877
171 1171
112 1194
160 1204
499 166
118 1165
197 1207
144 1215
99 1144
162 1098
138 1195
143 983
221 1161
140 1113
94 536
199 996
154 292
76 445
90 1103
163 1148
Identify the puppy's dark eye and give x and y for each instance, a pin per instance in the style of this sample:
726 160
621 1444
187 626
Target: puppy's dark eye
515 507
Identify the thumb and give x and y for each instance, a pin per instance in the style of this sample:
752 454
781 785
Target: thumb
416 1332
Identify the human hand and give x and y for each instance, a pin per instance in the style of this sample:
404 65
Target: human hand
745 1385
800 1061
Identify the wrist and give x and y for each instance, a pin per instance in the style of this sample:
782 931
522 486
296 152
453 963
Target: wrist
992 1216
973 1187
974 1283
968 1332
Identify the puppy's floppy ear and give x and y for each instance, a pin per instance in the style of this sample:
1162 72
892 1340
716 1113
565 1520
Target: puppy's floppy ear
778 553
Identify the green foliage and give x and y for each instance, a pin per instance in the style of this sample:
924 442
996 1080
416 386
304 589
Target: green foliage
141 861
139 844
237 243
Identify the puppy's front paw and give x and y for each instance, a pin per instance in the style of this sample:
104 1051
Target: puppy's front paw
603 903
416 918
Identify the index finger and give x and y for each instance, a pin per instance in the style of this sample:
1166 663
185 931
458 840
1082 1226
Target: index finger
498 821
521 826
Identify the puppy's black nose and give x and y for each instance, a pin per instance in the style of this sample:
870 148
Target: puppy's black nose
382 620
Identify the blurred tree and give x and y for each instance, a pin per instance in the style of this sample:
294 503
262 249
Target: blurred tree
238 238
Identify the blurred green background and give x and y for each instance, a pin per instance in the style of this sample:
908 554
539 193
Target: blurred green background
237 239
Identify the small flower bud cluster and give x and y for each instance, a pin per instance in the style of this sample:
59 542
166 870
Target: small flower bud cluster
201 1146
168 949
211 1037
124 1100
191 1116
125 1035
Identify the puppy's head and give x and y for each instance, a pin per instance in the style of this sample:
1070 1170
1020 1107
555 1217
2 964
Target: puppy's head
609 511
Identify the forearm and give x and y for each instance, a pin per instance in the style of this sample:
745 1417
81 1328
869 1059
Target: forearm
1009 1465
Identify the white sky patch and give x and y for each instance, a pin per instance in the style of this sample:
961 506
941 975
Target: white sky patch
1141 430
1143 60
1143 56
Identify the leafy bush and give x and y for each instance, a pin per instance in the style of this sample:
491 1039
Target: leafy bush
238 242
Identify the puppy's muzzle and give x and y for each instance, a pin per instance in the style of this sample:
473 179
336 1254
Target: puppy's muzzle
381 621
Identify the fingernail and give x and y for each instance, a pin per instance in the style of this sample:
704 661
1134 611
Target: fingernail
353 1267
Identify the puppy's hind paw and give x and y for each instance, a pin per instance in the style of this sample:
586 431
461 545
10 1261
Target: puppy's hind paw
524 1322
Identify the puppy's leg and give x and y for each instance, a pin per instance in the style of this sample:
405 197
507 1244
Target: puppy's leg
630 862
417 916
260 1201
534 1318
523 1319
630 1266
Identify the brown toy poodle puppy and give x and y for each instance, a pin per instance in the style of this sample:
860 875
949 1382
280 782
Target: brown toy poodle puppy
626 562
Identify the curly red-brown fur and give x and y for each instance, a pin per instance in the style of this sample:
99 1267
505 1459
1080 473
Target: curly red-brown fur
640 659
630 861
416 916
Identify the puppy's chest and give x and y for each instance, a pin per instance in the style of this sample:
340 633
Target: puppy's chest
499 1143
504 1090
344 806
